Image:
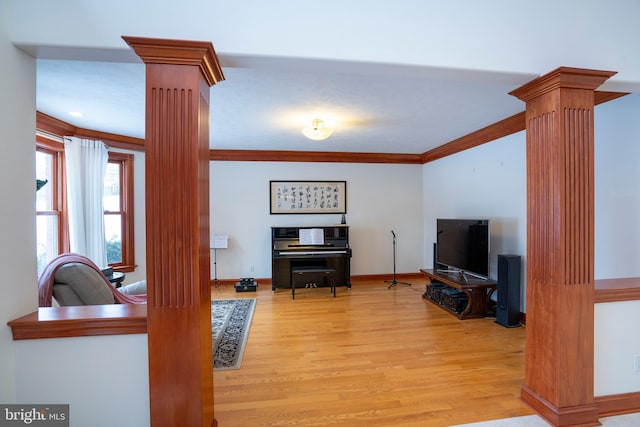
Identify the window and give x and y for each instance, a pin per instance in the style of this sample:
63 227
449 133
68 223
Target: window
52 234
51 231
118 211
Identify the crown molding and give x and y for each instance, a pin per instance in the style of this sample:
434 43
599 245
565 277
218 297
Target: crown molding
508 126
505 127
311 156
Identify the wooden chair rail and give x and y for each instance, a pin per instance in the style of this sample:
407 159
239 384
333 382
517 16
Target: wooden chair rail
611 290
117 319
89 320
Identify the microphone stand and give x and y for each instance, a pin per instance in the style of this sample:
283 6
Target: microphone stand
215 267
395 281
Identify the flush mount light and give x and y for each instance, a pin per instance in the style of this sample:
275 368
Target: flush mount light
76 113
317 131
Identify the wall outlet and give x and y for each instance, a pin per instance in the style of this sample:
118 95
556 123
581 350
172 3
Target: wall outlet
636 363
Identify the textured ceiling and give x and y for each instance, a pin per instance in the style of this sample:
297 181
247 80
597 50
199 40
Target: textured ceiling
389 77
264 106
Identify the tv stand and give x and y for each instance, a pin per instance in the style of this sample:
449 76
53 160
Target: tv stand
464 296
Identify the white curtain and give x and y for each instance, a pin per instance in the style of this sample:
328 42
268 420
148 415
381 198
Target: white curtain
86 164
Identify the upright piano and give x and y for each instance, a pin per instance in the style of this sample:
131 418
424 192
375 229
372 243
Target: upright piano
289 251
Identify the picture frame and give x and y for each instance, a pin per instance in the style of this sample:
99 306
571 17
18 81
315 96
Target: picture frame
308 197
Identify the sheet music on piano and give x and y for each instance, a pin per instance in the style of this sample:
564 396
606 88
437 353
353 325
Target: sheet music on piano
311 236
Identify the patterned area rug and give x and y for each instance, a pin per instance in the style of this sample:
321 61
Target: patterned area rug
230 322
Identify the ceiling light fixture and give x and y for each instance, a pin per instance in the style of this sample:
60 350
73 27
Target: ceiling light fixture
317 131
76 113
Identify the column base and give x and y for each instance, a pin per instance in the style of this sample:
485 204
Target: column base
569 416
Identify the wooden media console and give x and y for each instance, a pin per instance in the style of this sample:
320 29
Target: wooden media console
464 296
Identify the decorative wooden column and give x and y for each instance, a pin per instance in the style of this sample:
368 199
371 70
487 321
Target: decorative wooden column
178 77
560 239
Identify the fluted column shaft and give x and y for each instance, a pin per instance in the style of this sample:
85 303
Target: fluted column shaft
560 245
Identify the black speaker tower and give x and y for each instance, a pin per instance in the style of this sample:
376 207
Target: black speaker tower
508 307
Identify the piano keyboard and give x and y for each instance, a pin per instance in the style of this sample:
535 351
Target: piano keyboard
310 252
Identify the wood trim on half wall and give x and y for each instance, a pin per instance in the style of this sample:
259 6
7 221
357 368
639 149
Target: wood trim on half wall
616 404
81 321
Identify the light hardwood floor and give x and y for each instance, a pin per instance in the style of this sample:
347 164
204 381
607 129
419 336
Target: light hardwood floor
372 356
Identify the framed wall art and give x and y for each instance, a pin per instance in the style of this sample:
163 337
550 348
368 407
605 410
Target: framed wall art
308 197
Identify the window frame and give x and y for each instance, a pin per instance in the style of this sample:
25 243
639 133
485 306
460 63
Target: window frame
59 192
125 162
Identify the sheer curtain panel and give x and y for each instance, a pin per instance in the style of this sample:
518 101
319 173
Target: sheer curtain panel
86 163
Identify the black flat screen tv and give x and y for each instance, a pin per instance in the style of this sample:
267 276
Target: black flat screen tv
463 246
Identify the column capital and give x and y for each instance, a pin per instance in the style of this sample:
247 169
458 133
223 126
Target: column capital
179 52
562 77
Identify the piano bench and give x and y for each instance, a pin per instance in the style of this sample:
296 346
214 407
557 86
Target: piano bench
301 272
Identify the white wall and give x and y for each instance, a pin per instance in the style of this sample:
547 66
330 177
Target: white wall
617 241
617 341
380 198
617 188
103 379
488 181
17 192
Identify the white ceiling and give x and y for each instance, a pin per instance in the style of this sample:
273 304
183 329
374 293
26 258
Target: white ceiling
389 78
265 107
